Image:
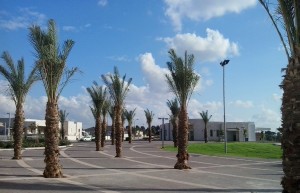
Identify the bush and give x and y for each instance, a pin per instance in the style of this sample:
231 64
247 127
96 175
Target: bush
39 142
64 142
6 144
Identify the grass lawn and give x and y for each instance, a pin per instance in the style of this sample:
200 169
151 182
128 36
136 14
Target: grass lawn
238 149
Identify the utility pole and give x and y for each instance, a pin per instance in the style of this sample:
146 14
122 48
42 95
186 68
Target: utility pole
163 131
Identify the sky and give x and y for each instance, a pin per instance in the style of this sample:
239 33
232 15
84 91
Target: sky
135 36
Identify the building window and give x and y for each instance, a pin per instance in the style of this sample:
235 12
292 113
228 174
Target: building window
211 133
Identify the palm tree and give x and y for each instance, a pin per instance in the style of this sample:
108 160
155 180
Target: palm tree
118 89
205 118
111 112
129 116
287 24
62 117
51 64
174 107
182 81
149 117
98 95
18 87
105 108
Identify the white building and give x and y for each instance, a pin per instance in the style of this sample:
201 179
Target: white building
236 131
73 130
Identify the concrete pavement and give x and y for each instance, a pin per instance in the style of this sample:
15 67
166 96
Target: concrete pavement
144 168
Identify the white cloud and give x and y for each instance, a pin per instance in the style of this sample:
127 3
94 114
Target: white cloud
102 3
267 118
277 97
195 10
212 48
120 58
242 104
69 28
25 18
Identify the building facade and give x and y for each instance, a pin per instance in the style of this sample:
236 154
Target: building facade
35 127
236 131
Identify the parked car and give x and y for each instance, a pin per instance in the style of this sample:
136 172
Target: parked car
86 138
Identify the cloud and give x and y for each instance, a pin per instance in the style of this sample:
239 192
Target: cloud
277 97
195 10
25 18
69 28
242 104
267 117
102 3
211 48
120 58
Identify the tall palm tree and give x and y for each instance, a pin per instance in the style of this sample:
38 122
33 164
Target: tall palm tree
62 117
18 87
149 117
51 64
174 107
129 116
286 20
105 108
118 89
182 81
98 95
111 112
205 118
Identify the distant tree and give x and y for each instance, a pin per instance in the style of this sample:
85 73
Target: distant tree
112 115
129 116
181 81
174 107
205 118
105 109
62 118
149 117
98 95
19 86
118 89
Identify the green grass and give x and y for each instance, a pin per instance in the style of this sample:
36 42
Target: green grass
239 149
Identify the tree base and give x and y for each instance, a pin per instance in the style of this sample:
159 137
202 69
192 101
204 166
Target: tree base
181 166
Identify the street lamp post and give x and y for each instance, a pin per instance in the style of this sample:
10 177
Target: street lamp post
163 131
8 125
223 63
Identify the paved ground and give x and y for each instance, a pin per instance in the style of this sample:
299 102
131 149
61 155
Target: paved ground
144 168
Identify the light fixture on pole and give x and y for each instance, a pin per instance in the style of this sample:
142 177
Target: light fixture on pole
8 125
223 63
163 131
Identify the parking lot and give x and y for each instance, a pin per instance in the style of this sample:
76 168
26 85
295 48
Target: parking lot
144 168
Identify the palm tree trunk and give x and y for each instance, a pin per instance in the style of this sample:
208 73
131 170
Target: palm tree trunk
291 126
205 133
103 133
118 128
18 131
98 133
175 131
149 133
182 156
53 168
130 134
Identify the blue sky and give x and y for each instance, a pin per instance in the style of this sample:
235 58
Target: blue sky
136 35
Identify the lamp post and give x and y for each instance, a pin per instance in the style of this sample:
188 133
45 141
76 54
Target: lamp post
223 63
135 129
8 125
163 131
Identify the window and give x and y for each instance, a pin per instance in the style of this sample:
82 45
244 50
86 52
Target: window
211 133
218 133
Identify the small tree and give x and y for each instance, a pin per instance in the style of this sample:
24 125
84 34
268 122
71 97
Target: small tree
62 118
205 118
129 116
149 117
